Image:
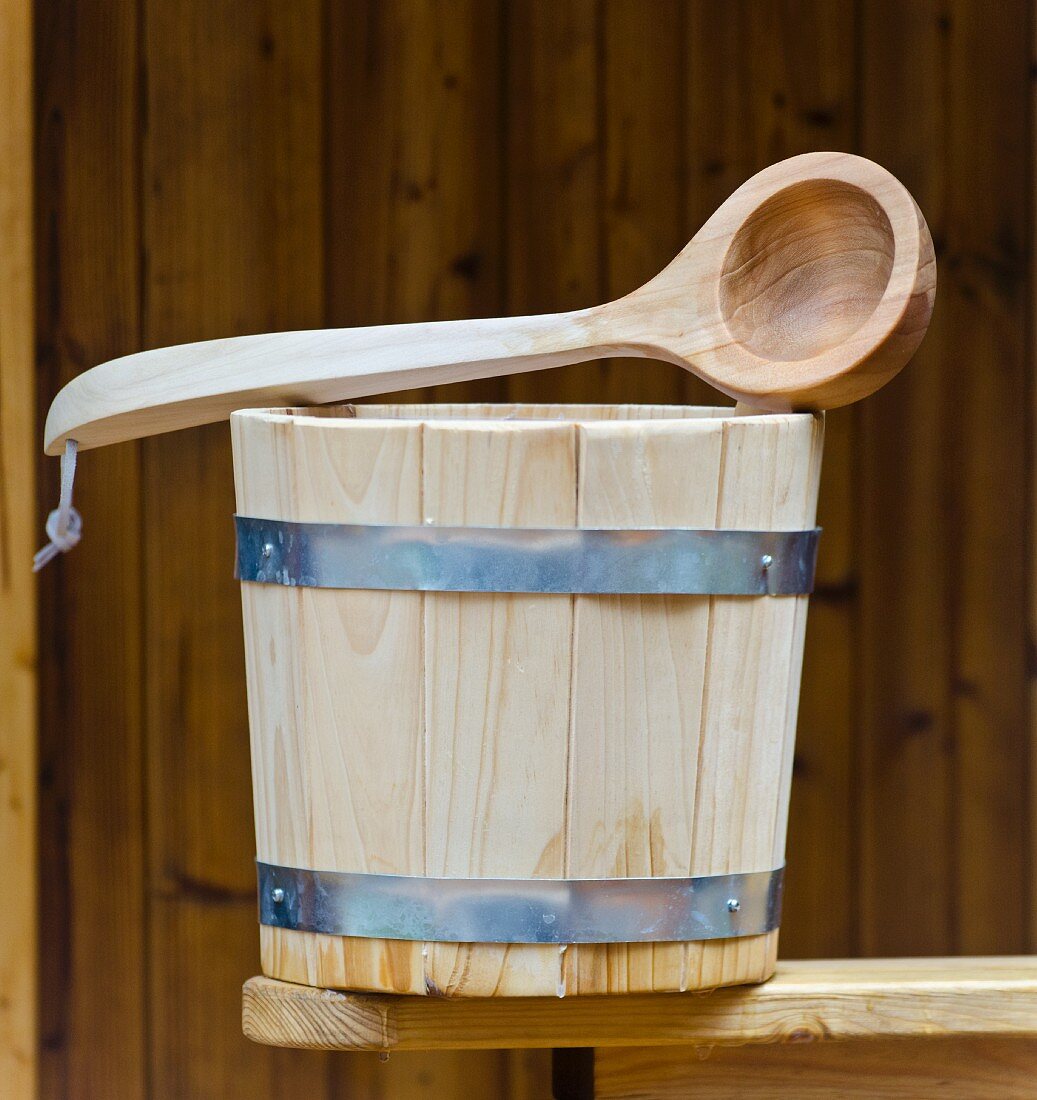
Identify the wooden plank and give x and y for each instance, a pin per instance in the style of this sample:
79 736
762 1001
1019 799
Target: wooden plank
986 361
554 231
88 248
1032 543
796 95
908 613
414 94
945 677
497 694
640 675
806 1000
18 679
976 1069
754 657
335 684
232 203
641 74
414 178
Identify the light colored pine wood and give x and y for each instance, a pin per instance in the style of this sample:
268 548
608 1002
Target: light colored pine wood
497 674
337 746
809 287
958 1069
805 1001
769 479
531 411
640 668
18 712
557 736
797 95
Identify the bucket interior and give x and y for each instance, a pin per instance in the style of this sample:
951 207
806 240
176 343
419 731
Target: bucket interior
566 413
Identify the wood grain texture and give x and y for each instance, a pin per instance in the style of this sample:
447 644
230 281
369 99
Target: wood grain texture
314 807
943 699
805 1001
497 672
92 814
943 106
553 153
414 221
641 206
797 95
907 524
232 143
18 675
643 669
985 254
527 735
964 1069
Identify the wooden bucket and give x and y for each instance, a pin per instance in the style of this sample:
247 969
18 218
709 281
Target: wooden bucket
539 737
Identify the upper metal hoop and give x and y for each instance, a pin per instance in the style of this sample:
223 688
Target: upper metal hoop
425 558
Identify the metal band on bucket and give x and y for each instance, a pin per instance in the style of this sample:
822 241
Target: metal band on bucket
425 558
529 910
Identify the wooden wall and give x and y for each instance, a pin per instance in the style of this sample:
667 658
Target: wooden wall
209 167
18 716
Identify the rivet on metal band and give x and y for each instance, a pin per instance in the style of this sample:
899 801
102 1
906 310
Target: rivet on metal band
494 910
425 558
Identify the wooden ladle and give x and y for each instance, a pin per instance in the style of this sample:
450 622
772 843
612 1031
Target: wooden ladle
809 288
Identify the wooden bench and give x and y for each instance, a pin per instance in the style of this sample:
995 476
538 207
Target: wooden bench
852 1027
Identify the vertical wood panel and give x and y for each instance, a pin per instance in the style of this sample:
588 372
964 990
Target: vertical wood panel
92 814
497 695
414 183
944 702
233 230
906 705
768 80
985 282
554 177
413 146
336 720
643 224
402 141
18 713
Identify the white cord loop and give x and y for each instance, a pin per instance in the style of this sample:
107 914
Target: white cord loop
64 525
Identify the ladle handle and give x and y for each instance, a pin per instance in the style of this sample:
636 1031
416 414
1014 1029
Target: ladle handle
180 387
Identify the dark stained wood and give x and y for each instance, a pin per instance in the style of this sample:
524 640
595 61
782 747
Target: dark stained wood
92 823
414 208
209 168
554 177
986 365
944 697
907 729
642 209
796 94
414 147
233 230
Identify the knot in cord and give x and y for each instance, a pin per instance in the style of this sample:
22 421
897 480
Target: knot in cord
64 525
